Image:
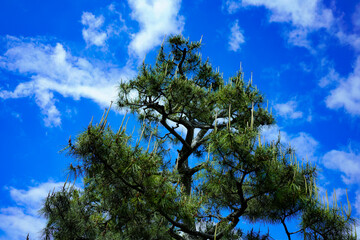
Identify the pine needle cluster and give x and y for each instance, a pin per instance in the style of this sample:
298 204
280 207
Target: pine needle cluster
224 173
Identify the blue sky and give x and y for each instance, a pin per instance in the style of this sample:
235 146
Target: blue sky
61 62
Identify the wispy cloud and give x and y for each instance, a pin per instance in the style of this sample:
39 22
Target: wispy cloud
347 163
99 29
232 6
347 94
23 218
300 13
352 38
92 32
357 205
236 37
288 110
356 17
304 16
51 68
305 146
308 16
156 18
54 69
330 78
299 37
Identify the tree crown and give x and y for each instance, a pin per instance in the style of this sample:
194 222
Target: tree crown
223 172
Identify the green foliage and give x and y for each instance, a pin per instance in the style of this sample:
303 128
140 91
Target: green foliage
321 222
224 172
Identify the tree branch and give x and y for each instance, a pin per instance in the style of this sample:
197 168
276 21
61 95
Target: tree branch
286 229
173 132
198 137
184 51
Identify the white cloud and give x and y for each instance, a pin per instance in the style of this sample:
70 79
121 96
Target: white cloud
304 16
34 196
304 144
331 77
118 24
52 69
17 222
298 37
232 6
346 162
351 39
288 110
97 33
156 19
301 13
236 38
347 93
92 33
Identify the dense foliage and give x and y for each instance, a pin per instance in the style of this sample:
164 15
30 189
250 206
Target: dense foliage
224 173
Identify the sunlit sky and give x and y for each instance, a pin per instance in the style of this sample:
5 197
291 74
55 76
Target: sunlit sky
61 63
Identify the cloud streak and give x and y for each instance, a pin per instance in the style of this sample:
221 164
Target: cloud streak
92 33
301 13
236 37
305 16
288 110
53 69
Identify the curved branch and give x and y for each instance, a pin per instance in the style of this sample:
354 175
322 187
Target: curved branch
184 51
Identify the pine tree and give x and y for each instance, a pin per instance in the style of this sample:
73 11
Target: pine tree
224 172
